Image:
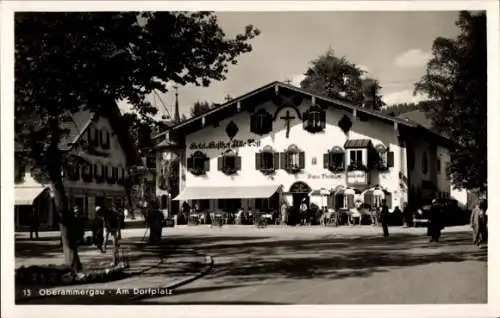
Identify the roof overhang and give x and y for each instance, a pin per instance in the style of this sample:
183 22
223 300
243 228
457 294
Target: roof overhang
249 101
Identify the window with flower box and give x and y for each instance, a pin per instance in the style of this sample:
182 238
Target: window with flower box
292 159
198 163
358 153
381 158
334 159
229 163
261 122
314 119
267 160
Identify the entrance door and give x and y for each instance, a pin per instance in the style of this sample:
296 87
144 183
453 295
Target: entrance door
300 191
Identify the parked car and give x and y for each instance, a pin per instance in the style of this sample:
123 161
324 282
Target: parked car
453 213
421 215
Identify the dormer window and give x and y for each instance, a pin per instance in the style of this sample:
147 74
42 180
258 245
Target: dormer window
292 159
334 159
314 119
261 122
229 163
267 161
198 163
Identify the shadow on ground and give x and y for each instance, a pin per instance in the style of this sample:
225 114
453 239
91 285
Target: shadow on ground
242 261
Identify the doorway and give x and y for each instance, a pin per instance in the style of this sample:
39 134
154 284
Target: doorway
300 191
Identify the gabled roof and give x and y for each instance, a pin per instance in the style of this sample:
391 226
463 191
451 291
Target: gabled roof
81 120
74 128
419 117
263 93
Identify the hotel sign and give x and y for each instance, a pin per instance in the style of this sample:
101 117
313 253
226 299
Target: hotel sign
357 177
225 145
324 176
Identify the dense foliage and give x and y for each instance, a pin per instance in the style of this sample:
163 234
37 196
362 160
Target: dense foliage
67 61
336 77
456 80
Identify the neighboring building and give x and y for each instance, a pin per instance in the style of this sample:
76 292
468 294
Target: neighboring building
281 144
101 151
465 197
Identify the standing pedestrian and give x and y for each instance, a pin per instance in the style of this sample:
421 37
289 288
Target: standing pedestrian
79 226
34 223
475 224
98 229
484 221
384 216
303 212
435 224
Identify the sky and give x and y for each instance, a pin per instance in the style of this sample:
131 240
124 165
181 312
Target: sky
393 47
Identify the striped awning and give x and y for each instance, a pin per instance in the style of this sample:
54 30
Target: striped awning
26 195
248 192
357 143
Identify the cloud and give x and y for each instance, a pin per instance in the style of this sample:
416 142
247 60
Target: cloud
413 58
405 96
365 69
296 79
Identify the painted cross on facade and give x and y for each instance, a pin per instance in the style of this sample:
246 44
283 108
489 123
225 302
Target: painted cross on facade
288 119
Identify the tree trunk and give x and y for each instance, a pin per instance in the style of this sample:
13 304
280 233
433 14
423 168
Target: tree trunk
66 218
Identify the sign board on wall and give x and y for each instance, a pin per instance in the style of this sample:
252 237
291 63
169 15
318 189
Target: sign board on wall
357 177
220 144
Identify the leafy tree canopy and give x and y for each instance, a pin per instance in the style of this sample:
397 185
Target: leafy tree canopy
66 61
456 80
330 75
201 107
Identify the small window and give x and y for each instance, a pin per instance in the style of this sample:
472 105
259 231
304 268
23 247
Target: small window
267 161
98 172
356 157
93 134
334 159
438 165
314 119
229 163
87 172
261 122
425 163
104 138
198 163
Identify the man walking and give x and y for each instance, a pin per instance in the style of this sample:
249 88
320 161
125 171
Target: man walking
435 224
